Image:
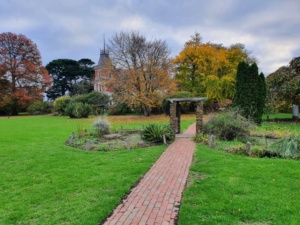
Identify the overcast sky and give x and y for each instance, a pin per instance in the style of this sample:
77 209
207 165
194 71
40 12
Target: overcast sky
74 29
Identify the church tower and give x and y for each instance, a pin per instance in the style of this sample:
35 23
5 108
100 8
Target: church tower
102 72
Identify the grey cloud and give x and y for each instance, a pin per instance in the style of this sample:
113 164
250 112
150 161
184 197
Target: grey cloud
74 29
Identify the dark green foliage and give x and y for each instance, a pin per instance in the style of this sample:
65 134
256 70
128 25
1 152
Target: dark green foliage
66 73
262 96
82 87
250 93
287 147
40 107
185 106
78 110
97 100
154 133
63 72
228 125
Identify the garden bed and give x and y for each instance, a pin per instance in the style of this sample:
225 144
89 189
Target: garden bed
125 139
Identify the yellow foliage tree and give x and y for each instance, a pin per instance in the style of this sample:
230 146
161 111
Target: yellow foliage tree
209 69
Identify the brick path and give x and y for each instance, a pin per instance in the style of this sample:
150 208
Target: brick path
156 199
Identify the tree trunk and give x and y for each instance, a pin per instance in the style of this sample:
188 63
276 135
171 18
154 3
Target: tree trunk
146 110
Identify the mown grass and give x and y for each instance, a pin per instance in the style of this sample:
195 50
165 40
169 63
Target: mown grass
45 182
278 116
230 189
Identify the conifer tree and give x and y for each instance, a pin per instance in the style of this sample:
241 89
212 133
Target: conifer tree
250 93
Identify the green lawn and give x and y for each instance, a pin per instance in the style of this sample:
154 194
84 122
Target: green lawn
230 189
45 182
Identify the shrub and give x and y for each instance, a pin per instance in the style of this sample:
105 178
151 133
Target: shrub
101 127
201 138
40 107
119 109
228 125
154 133
61 103
78 110
287 147
97 100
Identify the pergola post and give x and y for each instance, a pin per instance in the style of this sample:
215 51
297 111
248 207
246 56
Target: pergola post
175 113
199 117
173 120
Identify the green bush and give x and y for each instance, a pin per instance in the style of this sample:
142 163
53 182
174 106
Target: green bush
40 107
288 147
61 103
201 138
97 100
155 132
78 110
228 125
101 127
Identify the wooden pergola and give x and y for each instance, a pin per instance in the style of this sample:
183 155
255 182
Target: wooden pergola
175 113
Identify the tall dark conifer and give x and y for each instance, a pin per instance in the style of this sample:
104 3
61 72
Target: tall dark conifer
250 91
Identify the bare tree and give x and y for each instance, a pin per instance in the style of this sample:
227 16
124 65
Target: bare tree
140 70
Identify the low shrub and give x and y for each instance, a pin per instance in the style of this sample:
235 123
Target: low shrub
288 147
201 138
101 127
40 107
155 132
228 125
61 103
78 110
97 100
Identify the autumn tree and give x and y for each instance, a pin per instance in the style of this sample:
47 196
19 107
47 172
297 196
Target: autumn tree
209 69
70 76
23 79
140 70
284 85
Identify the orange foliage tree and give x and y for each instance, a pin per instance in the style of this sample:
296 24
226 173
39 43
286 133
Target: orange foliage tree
23 79
209 69
140 71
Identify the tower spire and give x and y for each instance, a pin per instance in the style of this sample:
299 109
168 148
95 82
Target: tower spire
104 42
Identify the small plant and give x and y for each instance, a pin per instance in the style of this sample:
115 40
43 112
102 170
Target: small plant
201 138
101 127
155 132
229 125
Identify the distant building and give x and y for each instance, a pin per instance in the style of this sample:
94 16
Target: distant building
102 73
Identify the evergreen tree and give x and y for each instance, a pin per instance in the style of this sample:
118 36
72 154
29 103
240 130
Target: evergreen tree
250 93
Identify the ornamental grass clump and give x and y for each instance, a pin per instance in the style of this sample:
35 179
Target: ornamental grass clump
154 133
229 125
288 147
101 127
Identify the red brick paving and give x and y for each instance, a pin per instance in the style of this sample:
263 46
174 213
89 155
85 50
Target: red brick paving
156 199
